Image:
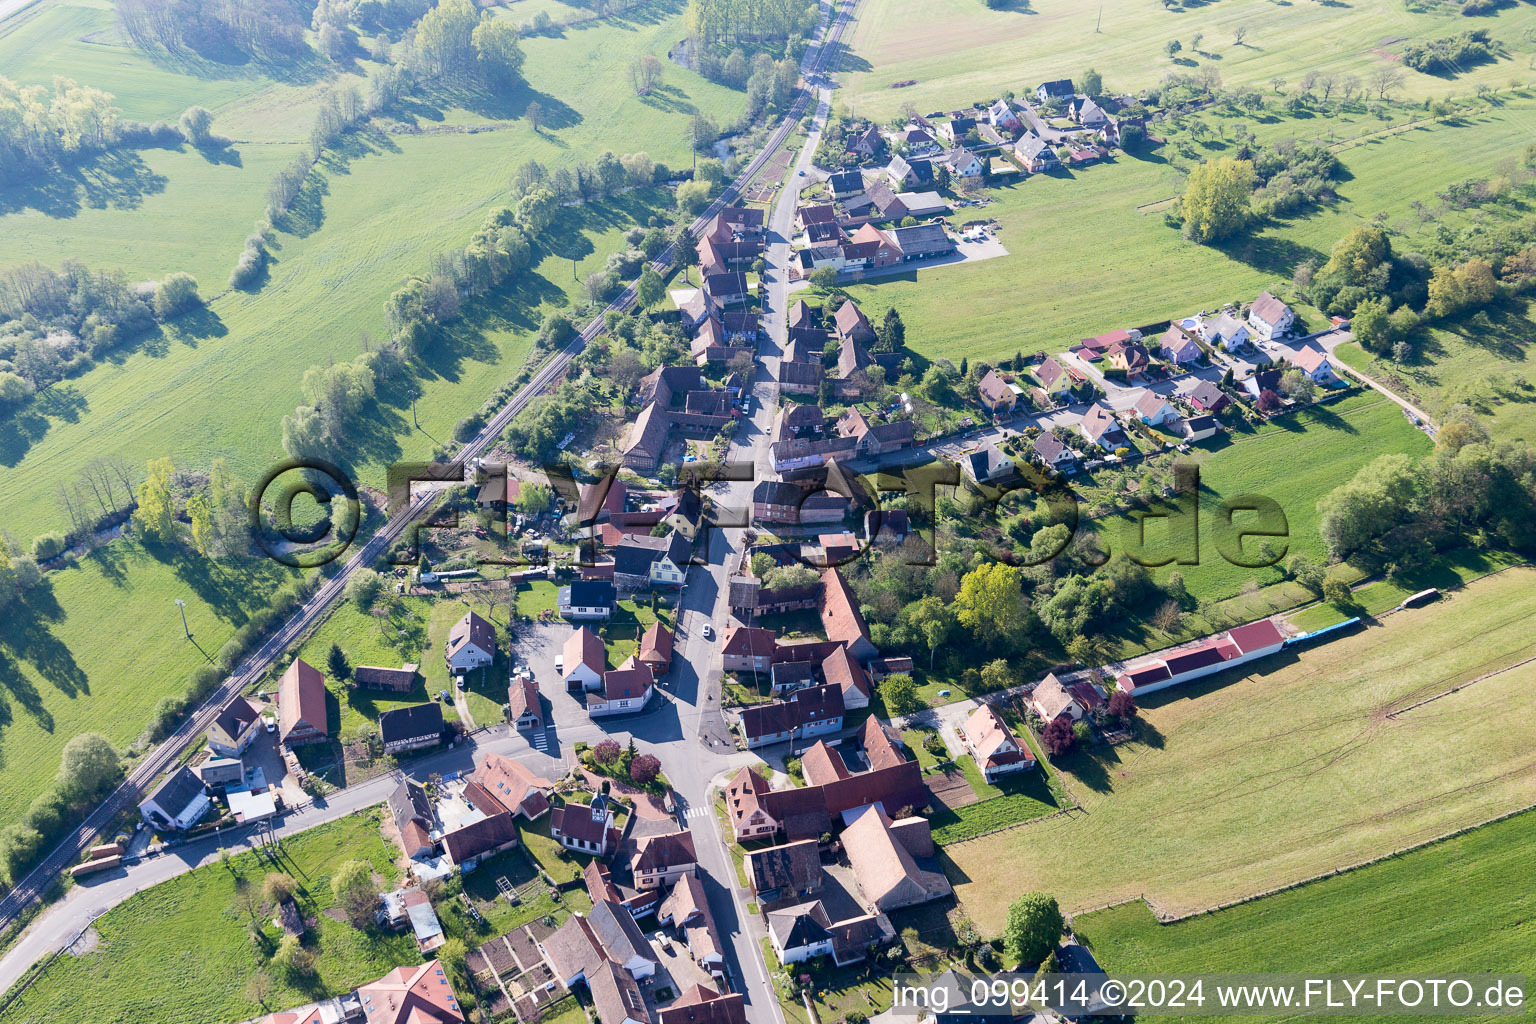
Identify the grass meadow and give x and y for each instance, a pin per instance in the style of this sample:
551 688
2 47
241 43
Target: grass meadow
1463 904
1089 250
377 209
180 951
1242 782
102 643
958 51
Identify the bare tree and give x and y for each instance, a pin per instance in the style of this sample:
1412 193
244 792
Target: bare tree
67 502
1167 617
1329 81
534 112
1308 83
1349 85
1385 79
1239 34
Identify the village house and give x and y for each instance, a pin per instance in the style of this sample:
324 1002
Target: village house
1035 154
606 951
411 995
748 649
1001 115
887 527
586 600
883 854
1315 364
582 660
648 563
1060 89
842 670
411 728
865 143
301 706
1207 397
1179 347
687 910
1052 698
524 709
471 644
625 690
177 803
480 839
1099 426
800 933
1153 409
998 395
791 871
703 1005
411 810
1269 317
1055 381
726 288
813 711
996 750
1227 332
903 173
232 732
988 464
585 828
1087 113
962 164
1051 452
845 183
513 786
1131 358
757 811
656 649
662 860
1198 428
1264 380
957 128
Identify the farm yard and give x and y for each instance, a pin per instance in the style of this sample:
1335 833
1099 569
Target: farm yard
964 50
1297 768
1461 904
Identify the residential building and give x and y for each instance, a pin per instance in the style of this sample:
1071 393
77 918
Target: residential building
1052 698
1178 346
1315 364
411 728
177 803
841 618
587 600
748 649
575 955
585 829
1153 409
1060 89
1099 426
232 732
1198 428
841 670
1035 154
883 855
656 649
583 660
866 142
301 706
411 810
957 128
513 786
687 908
845 183
757 811
1132 359
1207 397
997 395
471 644
813 711
703 1005
903 173
992 744
471 844
962 164
626 690
851 324
1264 380
648 563
988 464
1051 452
1087 113
1001 115
800 933
661 860
791 871
411 995
524 709
1055 381
412 908
220 773
1270 318
1226 331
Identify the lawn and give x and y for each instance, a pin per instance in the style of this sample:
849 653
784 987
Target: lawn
1464 904
517 868
1139 270
1485 362
375 211
960 51
390 642
1447 571
1252 780
180 951
100 644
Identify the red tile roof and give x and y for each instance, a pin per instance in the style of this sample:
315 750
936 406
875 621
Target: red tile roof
301 697
1256 635
411 995
840 615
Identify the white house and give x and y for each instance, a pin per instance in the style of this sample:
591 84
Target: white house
1314 363
1052 698
962 163
582 660
1000 115
587 600
1269 317
626 689
471 644
1052 452
800 932
1153 409
177 804
996 749
1227 331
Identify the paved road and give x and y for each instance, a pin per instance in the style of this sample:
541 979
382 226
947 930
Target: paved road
685 727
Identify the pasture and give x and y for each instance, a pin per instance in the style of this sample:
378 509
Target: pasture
1463 904
1089 250
958 51
1298 766
180 951
377 209
100 645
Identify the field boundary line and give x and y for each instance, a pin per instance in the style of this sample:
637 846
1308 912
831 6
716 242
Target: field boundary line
1462 686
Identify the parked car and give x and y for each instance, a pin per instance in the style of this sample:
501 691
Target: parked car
709 631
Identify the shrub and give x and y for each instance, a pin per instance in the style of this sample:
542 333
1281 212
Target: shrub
176 294
47 545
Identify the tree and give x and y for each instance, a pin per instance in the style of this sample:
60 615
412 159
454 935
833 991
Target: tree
736 69
535 499
88 766
606 752
155 515
1385 79
200 512
1121 705
644 769
293 957
1239 34
645 73
14 389
1269 401
195 125
536 210
1173 46
355 891
1371 325
336 661
991 605
893 333
1217 198
497 52
258 988
176 294
899 694
824 278
278 887
650 288
1091 83
1057 736
445 46
1337 592
692 196
996 675
363 588
1033 928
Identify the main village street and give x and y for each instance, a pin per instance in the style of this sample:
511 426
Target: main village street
684 726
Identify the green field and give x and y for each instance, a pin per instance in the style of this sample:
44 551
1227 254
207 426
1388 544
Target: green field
1487 366
180 951
959 51
1060 283
99 645
376 211
1236 785
1464 904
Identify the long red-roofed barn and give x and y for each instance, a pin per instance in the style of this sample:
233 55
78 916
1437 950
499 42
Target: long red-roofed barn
1237 646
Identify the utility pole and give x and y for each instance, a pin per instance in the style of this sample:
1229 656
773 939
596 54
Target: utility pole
182 605
413 410
1100 21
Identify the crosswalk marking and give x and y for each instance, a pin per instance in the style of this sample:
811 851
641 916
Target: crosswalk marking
696 812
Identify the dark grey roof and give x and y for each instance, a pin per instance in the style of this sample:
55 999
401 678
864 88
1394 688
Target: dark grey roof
177 792
1060 87
588 594
922 238
636 555
409 803
800 925
615 928
411 723
846 181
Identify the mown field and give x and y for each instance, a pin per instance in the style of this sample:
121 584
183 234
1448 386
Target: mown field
1464 904
1240 784
376 211
1088 250
958 51
102 643
180 951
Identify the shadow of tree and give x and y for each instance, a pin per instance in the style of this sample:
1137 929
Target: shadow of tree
118 179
